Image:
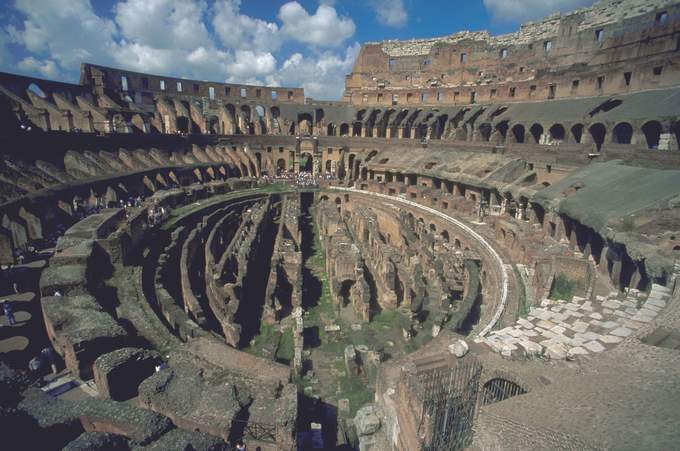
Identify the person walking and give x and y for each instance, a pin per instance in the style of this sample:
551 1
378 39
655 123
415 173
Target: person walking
240 446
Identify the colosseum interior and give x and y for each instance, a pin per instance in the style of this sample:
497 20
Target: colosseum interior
476 248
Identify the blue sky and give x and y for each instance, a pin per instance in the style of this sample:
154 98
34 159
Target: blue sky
308 43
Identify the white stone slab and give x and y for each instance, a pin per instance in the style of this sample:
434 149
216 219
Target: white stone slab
595 315
579 326
612 304
621 332
558 329
611 339
594 346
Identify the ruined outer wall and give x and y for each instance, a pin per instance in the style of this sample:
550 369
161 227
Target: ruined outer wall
570 52
107 78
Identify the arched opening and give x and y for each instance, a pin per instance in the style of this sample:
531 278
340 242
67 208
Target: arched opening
280 166
500 389
305 124
370 123
557 132
350 166
445 236
536 131
328 166
183 124
597 133
214 125
330 130
344 130
35 89
652 131
259 112
518 133
258 157
276 113
502 131
356 129
622 133
306 162
485 132
577 133
397 122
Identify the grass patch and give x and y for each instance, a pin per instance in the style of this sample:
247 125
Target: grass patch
286 349
563 288
628 224
354 388
263 340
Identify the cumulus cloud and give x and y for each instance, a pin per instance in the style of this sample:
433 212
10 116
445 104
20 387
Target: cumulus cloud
68 30
523 10
202 39
322 76
242 32
163 24
46 68
323 28
390 12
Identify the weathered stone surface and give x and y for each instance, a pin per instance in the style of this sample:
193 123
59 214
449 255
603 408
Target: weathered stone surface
366 420
459 348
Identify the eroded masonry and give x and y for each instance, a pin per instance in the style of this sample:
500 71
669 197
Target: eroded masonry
476 249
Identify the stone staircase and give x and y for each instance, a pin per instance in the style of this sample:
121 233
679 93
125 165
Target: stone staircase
564 330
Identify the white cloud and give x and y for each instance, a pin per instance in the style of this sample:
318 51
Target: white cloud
174 37
323 29
323 77
390 12
248 64
46 68
524 10
68 30
163 24
242 32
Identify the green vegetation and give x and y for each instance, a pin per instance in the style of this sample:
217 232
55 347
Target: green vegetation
563 288
263 340
628 224
357 389
286 349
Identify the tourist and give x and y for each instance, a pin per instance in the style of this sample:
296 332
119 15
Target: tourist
8 312
240 446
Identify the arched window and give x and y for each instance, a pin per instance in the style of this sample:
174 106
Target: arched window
652 131
557 132
577 133
598 132
518 133
623 133
536 131
485 132
35 89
